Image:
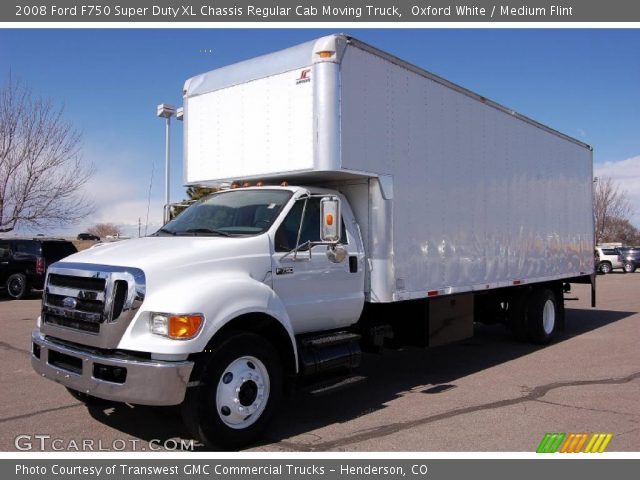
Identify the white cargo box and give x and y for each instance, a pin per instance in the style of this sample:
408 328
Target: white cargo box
452 191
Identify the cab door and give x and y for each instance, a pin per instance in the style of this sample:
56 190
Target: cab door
317 293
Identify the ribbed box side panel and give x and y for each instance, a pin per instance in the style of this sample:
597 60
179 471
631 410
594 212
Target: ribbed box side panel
480 196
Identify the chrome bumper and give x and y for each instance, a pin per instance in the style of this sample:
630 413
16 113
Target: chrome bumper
147 382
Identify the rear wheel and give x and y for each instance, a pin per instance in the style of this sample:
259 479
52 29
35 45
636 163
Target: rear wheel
543 316
17 286
629 267
241 389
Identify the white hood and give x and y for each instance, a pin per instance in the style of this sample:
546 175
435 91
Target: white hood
193 254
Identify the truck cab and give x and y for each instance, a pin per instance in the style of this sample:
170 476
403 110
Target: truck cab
130 321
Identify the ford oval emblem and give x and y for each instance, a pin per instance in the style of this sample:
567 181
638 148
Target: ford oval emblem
69 302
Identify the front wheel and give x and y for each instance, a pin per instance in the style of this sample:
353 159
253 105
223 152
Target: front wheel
241 389
605 268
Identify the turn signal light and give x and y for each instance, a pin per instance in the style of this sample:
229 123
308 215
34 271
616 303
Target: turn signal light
179 327
329 219
325 54
184 326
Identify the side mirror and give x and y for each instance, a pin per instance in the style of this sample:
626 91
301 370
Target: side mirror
330 220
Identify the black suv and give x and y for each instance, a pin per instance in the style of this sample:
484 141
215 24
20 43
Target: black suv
24 262
630 258
88 236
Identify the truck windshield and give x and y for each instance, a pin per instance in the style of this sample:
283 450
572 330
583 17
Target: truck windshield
229 213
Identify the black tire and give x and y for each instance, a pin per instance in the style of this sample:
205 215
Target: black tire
17 286
543 316
211 423
85 398
605 267
628 267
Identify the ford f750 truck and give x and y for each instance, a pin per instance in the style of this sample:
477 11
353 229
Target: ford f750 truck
365 203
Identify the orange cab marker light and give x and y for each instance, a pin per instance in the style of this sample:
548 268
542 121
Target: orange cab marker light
235 185
184 326
260 184
246 184
329 219
284 184
325 54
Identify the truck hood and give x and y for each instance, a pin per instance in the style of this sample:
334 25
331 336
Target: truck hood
192 254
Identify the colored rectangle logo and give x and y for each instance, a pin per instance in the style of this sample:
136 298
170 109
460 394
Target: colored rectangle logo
560 442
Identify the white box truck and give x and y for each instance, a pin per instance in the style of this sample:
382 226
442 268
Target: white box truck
365 203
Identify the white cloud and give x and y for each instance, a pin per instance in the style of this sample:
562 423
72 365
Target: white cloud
626 174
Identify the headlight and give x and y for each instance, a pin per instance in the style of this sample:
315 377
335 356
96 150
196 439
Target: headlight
179 327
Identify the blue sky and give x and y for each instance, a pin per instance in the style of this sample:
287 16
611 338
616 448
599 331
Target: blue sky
583 82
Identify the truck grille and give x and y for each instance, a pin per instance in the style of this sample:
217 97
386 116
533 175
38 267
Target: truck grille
80 283
87 299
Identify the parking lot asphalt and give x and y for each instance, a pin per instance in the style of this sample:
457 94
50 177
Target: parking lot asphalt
489 393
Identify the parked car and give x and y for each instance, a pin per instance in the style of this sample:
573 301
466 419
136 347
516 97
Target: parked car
24 262
608 259
88 236
630 258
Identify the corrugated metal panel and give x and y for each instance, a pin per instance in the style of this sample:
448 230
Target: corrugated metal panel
481 196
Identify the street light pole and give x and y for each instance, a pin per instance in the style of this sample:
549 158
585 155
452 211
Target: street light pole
166 111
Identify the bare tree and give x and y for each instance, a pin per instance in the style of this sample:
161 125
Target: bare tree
104 229
621 230
196 193
41 171
609 204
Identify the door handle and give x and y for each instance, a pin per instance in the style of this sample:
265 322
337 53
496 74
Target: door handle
353 264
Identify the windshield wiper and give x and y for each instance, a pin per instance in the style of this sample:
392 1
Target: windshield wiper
164 230
210 231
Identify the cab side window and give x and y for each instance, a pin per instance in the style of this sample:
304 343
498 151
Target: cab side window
5 252
287 234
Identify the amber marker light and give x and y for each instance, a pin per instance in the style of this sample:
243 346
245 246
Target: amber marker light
329 219
325 54
184 327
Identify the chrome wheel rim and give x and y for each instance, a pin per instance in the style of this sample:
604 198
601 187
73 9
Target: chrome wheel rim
242 392
548 316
